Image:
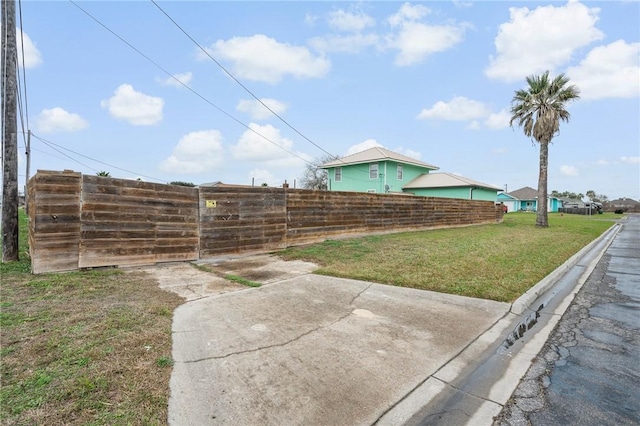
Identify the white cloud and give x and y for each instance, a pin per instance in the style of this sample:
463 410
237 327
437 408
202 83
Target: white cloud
498 120
196 152
362 146
416 40
408 152
611 71
462 4
344 44
603 162
347 21
310 19
261 58
568 170
175 81
257 111
135 107
32 56
630 160
500 151
542 39
408 12
458 109
58 120
253 147
474 125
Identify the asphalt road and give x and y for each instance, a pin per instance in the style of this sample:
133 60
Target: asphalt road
588 371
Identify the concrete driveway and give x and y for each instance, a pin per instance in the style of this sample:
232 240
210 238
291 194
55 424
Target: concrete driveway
310 349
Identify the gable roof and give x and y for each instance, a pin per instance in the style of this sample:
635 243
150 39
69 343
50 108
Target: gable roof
629 202
505 195
376 154
445 180
526 193
219 184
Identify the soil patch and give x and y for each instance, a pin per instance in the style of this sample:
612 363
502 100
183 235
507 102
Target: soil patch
191 282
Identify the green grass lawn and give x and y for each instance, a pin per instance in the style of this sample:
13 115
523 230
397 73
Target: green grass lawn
498 262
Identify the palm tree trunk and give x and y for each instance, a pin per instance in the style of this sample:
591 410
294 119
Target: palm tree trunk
541 210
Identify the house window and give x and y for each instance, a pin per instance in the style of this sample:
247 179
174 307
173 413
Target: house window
338 174
399 171
373 171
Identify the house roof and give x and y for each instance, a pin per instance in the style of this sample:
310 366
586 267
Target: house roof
624 202
505 195
445 180
226 185
376 154
526 193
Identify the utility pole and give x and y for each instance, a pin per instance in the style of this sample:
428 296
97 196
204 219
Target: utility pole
10 134
27 153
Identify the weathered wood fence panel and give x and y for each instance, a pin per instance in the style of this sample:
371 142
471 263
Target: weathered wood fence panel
81 221
54 220
241 219
128 222
315 215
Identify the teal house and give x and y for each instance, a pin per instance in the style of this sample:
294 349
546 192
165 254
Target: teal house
378 170
448 185
526 199
375 170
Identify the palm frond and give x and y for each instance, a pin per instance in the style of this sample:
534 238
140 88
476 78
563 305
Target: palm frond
540 107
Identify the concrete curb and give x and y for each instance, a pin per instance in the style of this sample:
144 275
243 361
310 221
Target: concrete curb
495 400
525 301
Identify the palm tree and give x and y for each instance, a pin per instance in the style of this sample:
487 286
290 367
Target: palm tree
538 110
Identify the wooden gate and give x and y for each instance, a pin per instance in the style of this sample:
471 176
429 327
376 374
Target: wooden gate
128 222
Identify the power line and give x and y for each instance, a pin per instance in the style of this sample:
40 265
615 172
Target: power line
238 81
49 143
187 86
24 73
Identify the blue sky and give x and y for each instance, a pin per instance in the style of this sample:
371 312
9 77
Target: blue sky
433 80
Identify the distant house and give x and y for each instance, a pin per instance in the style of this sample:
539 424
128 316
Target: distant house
448 185
511 203
526 199
623 204
378 170
374 170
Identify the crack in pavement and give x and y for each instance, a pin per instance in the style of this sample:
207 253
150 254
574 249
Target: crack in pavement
276 345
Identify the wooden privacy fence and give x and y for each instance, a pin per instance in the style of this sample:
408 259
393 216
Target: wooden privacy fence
79 221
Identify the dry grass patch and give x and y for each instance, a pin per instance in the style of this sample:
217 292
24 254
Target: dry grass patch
83 348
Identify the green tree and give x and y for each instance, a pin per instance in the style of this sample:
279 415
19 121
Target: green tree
598 198
538 109
567 194
103 174
181 183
